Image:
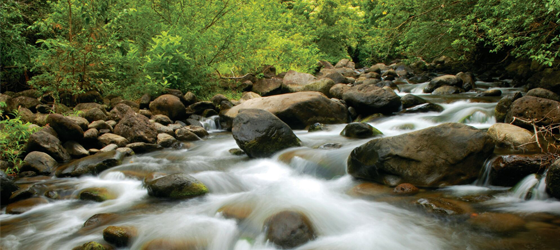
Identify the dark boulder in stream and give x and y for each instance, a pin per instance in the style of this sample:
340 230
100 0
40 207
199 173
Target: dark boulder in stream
360 130
261 134
175 186
448 154
369 99
92 165
553 180
289 229
508 170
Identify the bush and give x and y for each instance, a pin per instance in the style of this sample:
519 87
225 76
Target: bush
13 137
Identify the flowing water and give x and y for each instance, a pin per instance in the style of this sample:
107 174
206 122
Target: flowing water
310 179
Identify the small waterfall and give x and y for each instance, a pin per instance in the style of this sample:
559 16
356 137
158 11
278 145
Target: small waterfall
211 123
484 178
531 187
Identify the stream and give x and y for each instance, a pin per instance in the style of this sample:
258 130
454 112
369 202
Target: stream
310 179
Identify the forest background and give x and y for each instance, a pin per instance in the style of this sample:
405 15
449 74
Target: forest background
132 47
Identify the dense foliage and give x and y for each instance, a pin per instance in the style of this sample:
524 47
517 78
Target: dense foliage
129 47
14 133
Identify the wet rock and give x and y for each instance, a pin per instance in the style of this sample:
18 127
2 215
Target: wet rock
237 211
39 162
371 189
96 194
442 206
553 180
513 138
236 151
142 147
98 220
100 124
468 80
120 236
289 229
75 149
423 108
27 191
108 148
166 140
175 186
23 206
92 245
173 244
321 85
491 92
45 142
338 90
185 134
65 128
110 138
298 110
91 165
136 128
95 114
7 187
162 119
260 134
543 111
330 146
447 154
316 127
164 129
544 93
445 80
209 112
504 104
410 100
369 99
168 105
360 130
497 222
406 189
447 90
199 107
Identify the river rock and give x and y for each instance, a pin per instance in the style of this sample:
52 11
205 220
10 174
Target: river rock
75 149
508 170
411 100
289 229
98 220
89 105
109 138
26 115
65 128
321 85
45 142
173 244
199 107
543 93
162 119
443 206
119 111
553 180
504 104
267 87
142 147
175 186
447 154
338 90
406 189
298 110
260 134
166 140
369 99
296 78
23 101
92 245
248 96
23 206
92 165
168 105
97 194
95 114
468 80
136 128
447 90
39 162
542 111
423 108
360 130
497 222
185 134
512 137
120 236
491 92
7 187
445 80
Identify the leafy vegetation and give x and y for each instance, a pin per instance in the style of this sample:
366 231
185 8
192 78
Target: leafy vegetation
14 133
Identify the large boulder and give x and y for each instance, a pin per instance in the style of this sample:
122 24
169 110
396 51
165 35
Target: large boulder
95 114
321 85
447 154
445 80
508 170
45 142
553 180
289 229
541 111
260 134
120 236
266 87
511 137
543 93
23 101
136 128
168 105
175 186
298 110
65 128
39 162
296 78
504 104
90 165
447 90
411 100
369 99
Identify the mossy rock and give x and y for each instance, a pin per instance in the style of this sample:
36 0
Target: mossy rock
176 186
119 236
93 246
360 130
96 194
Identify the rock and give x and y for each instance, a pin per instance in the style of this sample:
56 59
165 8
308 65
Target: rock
166 140
95 114
199 107
468 80
380 67
145 101
39 162
289 229
109 148
260 134
513 138
553 180
236 151
90 165
491 92
442 206
543 93
162 119
119 111
96 194
266 87
360 130
168 105
410 100
447 90
369 99
406 189
198 131
370 189
389 75
82 122
23 206
98 220
75 149
142 147
136 128
209 112
338 90
345 63
190 98
316 127
543 111
508 170
497 222
322 85
120 236
423 108
447 154
504 104
43 109
185 134
41 119
445 80
248 96
335 76
26 115
89 105
298 110
176 186
100 124
173 244
65 128
44 142
110 138
145 113
23 101
296 78
7 187
92 245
